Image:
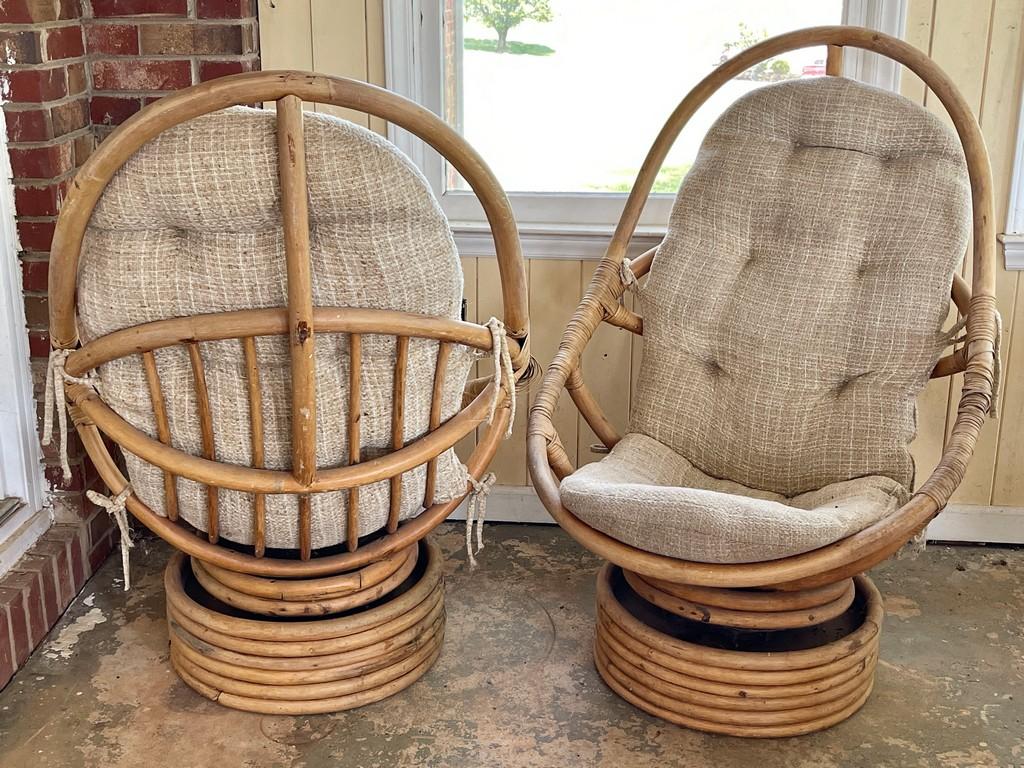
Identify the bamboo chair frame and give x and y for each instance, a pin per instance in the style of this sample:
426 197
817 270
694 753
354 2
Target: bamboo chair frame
602 302
301 322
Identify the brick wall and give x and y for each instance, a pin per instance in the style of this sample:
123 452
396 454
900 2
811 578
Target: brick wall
71 71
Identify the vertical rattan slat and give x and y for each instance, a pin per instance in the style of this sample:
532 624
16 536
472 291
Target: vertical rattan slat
444 351
295 214
834 61
163 430
355 408
206 430
398 426
252 378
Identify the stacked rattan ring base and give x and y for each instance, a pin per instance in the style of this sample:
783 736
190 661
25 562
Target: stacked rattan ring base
295 647
735 680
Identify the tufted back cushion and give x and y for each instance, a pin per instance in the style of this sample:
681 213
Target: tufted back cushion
192 224
794 310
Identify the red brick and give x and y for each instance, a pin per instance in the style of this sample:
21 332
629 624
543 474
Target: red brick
39 347
225 9
29 11
42 568
64 43
211 70
77 82
69 116
34 85
42 162
72 536
113 39
20 47
32 595
84 146
34 275
28 125
36 311
7 663
141 75
105 8
100 551
113 110
40 201
12 602
54 476
187 39
56 550
35 235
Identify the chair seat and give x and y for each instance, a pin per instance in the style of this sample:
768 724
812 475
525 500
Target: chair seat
648 496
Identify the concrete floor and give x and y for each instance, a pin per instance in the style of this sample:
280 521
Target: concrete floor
515 685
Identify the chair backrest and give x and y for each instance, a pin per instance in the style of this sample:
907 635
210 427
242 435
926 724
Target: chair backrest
192 225
795 308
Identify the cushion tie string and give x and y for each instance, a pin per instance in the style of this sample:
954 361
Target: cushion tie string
476 509
54 401
502 370
628 277
116 508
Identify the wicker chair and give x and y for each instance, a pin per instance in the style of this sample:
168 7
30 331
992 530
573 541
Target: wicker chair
791 315
269 316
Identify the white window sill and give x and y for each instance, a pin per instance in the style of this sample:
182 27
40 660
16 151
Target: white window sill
543 241
1013 250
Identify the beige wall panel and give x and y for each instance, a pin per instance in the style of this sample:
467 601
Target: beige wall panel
1008 486
998 115
554 294
375 54
338 32
919 35
509 463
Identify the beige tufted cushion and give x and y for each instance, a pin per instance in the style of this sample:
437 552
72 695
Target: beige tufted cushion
192 224
794 310
647 495
792 314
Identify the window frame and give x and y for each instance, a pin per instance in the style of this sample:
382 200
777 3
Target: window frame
21 470
1013 238
557 224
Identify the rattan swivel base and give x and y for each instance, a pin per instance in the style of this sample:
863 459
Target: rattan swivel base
735 680
296 647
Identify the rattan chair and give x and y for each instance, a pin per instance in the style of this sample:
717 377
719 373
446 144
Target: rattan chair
269 313
791 315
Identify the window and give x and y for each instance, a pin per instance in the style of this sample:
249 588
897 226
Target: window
564 98
1013 240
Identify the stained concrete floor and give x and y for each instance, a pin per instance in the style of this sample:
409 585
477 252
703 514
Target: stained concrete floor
515 685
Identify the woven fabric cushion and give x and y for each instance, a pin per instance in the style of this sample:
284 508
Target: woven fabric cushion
794 309
192 224
645 494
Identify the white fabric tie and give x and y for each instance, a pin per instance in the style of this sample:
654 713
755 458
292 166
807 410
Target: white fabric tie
476 510
54 401
502 370
116 507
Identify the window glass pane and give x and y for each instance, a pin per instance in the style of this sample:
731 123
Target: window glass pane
570 97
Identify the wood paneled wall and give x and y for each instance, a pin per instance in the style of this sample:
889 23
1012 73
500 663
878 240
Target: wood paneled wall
979 42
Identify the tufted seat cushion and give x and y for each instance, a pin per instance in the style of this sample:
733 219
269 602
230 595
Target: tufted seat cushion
794 311
192 224
647 495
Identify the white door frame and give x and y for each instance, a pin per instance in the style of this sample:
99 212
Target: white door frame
21 471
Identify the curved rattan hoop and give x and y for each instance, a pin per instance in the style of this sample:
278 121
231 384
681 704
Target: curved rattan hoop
300 321
602 303
254 87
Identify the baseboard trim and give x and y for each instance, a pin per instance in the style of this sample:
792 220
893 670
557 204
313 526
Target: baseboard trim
977 523
958 523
